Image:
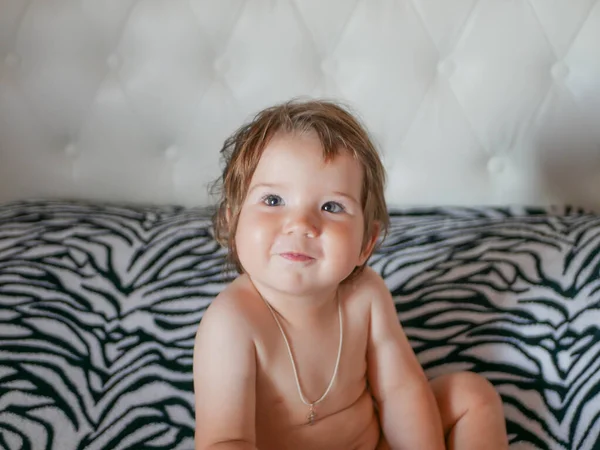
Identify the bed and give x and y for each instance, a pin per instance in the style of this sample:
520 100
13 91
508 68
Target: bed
111 117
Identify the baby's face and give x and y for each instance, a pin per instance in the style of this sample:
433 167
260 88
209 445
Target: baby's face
301 226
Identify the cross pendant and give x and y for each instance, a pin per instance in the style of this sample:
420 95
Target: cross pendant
311 415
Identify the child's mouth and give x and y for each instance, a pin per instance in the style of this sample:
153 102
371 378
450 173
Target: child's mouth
298 257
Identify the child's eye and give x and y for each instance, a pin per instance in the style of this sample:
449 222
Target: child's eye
272 200
333 207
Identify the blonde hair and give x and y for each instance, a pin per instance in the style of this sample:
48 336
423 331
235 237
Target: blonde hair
337 129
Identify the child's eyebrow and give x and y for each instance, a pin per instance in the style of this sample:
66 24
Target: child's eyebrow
347 196
263 185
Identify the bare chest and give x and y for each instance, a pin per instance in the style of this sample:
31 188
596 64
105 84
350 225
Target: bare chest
298 399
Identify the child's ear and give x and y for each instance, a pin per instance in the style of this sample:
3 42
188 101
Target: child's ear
370 244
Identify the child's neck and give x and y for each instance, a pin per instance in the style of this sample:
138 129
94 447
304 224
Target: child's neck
301 312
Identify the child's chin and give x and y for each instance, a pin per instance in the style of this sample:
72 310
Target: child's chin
297 283
306 289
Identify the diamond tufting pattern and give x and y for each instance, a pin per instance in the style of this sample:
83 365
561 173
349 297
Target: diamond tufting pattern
471 101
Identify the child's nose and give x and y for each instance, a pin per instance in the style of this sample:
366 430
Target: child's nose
303 223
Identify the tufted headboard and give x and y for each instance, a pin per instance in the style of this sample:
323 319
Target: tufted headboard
470 101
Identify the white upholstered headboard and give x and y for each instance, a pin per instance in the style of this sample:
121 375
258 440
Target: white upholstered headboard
470 101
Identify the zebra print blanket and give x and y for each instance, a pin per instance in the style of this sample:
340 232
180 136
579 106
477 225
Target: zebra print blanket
99 305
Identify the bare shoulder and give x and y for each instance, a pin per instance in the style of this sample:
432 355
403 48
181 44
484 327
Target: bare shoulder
383 319
224 369
228 324
392 363
233 309
370 286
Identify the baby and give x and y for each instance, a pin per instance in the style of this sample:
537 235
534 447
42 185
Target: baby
304 349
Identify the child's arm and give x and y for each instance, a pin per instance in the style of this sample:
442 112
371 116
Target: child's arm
407 409
224 380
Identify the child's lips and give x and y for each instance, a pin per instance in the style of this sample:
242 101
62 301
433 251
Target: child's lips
297 257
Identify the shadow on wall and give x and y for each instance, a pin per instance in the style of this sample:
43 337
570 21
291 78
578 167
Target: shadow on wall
567 157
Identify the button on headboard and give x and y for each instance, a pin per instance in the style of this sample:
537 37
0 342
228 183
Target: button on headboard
470 101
